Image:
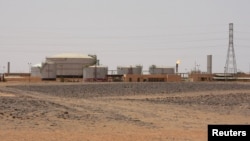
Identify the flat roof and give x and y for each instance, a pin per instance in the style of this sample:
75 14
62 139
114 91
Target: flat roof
70 55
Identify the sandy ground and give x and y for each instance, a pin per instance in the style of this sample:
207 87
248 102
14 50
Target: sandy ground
27 115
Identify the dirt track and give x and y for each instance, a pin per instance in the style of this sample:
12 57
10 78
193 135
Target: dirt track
120 111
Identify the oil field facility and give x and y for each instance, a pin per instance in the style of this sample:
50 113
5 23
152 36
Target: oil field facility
70 67
75 67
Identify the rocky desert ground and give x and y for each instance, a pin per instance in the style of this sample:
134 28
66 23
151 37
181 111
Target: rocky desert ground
147 111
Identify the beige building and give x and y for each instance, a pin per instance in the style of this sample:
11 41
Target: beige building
152 78
200 77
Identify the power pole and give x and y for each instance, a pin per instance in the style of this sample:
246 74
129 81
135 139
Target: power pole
230 66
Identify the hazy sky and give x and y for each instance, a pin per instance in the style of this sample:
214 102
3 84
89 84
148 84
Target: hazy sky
125 32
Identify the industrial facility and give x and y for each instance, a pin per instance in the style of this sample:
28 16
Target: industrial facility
67 65
86 68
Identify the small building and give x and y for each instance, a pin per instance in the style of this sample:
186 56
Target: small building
115 77
201 77
152 78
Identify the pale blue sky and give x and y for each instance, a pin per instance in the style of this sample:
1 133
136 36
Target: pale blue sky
125 32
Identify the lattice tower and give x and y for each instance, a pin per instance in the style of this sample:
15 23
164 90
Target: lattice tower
231 66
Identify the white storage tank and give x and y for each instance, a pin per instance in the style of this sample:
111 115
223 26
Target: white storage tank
161 70
95 73
71 64
48 71
129 70
36 70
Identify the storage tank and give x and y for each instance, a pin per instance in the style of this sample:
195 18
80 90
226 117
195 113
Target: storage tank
36 70
48 71
98 73
129 70
161 70
71 64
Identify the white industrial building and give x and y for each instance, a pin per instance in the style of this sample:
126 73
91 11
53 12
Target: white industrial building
129 70
95 73
36 70
48 70
161 70
66 65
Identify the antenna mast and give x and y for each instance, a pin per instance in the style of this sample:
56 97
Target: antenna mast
230 66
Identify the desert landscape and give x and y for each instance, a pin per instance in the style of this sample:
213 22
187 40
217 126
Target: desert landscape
150 111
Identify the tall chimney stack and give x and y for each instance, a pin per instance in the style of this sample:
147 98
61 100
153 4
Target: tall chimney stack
177 65
8 68
209 64
176 68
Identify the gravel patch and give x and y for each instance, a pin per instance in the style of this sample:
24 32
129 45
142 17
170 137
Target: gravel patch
119 89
